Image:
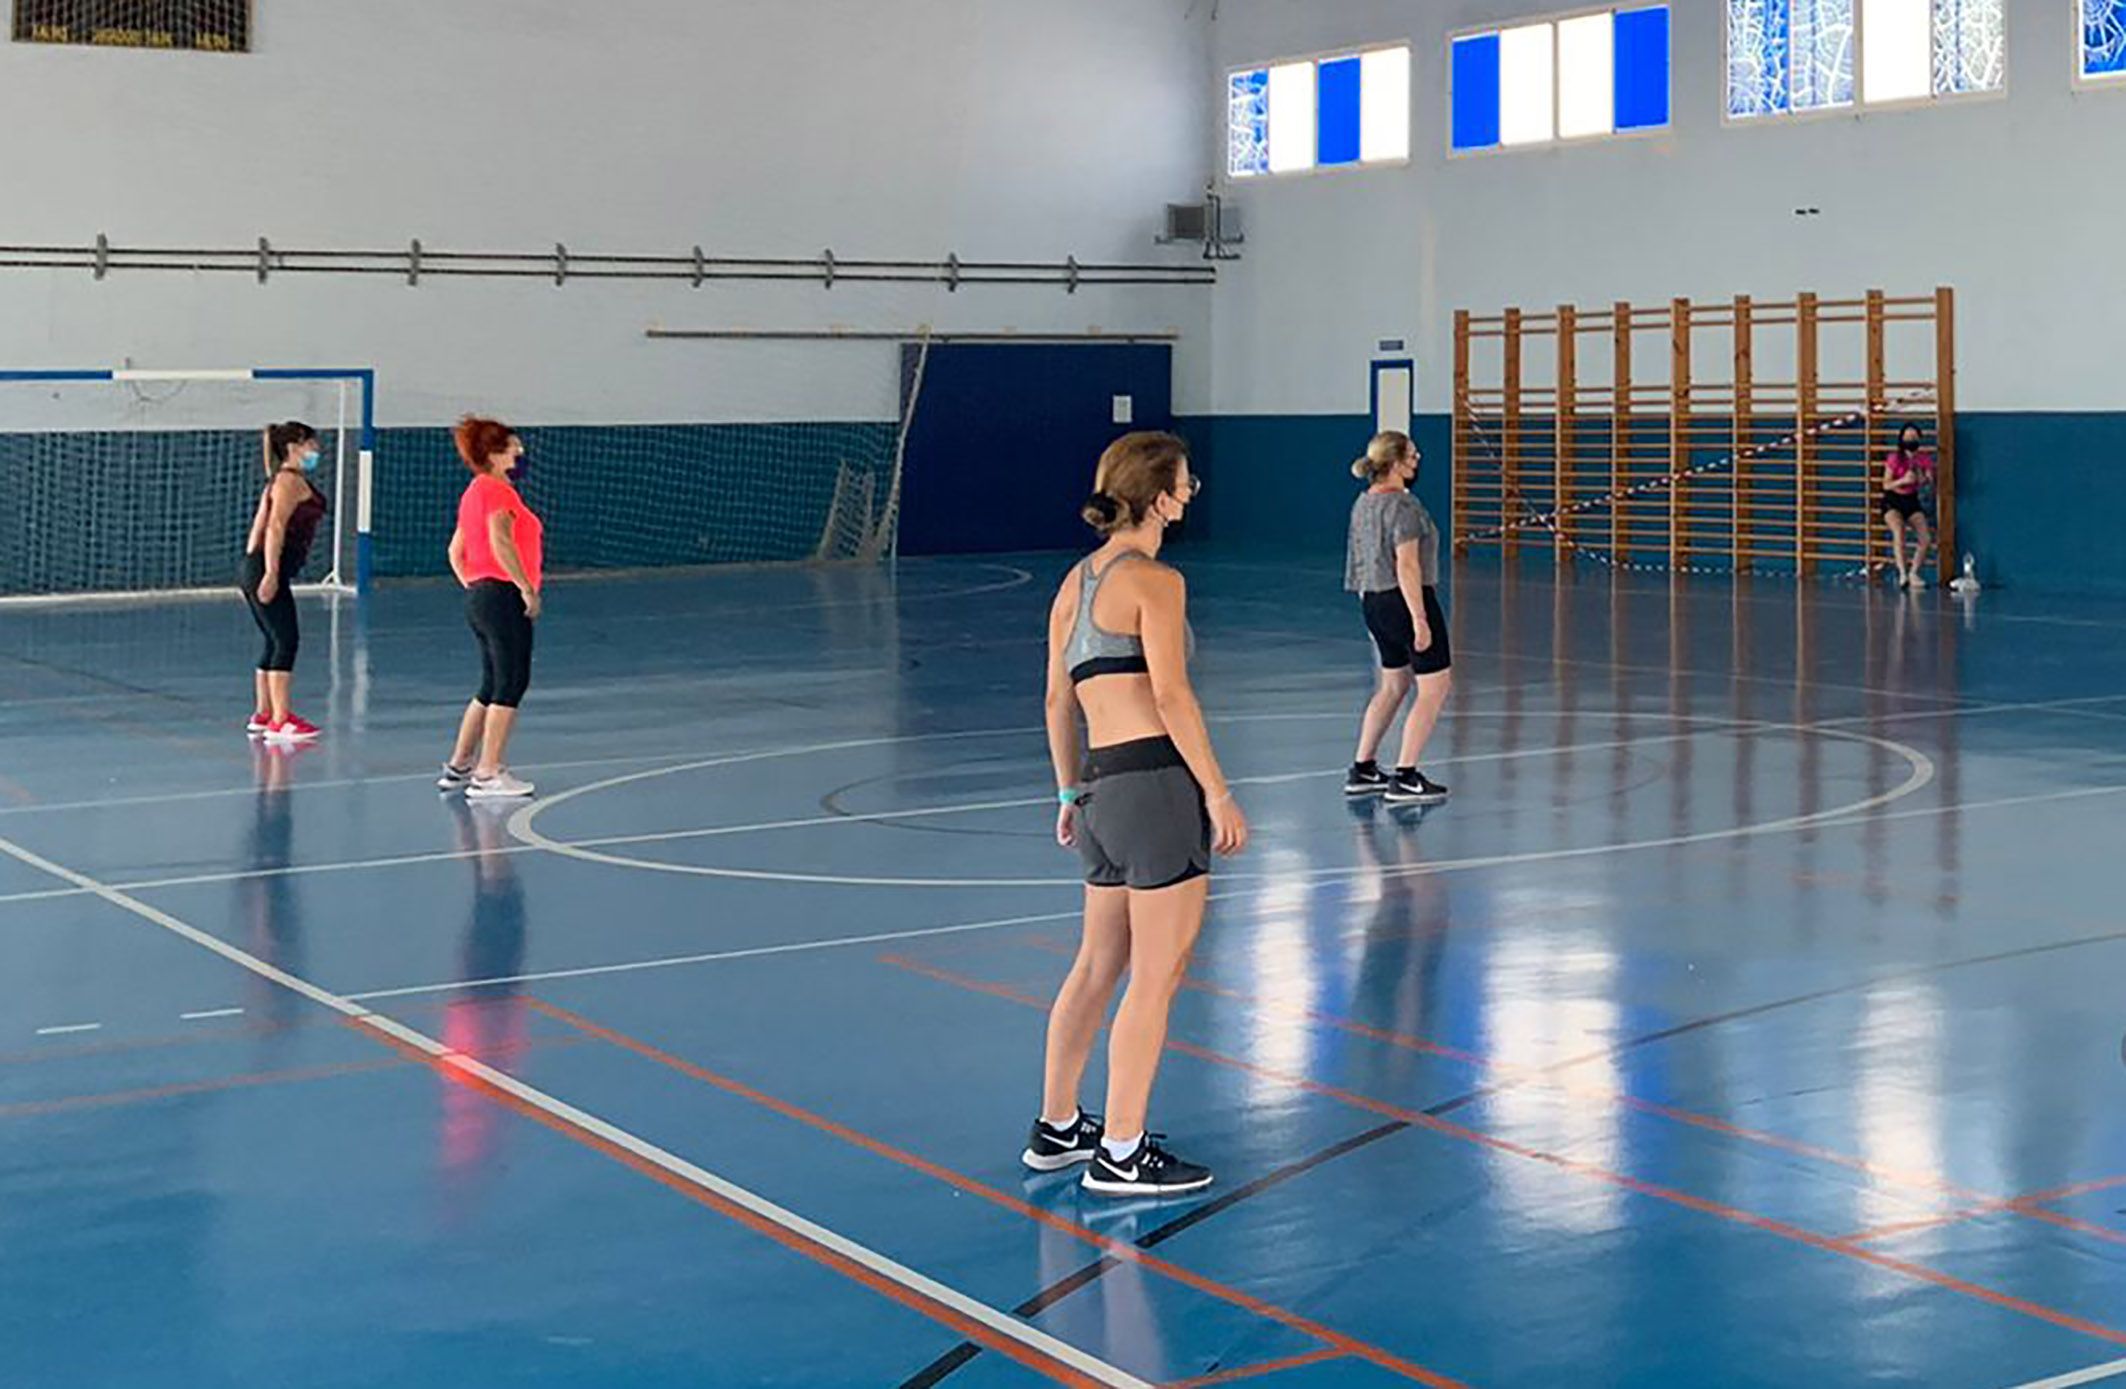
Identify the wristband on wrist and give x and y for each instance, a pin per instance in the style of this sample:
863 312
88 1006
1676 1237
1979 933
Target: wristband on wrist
1068 795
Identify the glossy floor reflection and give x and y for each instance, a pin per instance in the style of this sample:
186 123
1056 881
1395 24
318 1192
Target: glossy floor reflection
1750 1016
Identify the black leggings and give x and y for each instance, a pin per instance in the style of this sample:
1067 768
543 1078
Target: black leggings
276 620
496 611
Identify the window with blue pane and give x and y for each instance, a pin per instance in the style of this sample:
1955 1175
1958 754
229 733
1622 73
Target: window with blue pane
2104 40
1584 76
1336 112
1347 110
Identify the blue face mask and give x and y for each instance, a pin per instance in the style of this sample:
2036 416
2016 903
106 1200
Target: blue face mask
520 469
308 461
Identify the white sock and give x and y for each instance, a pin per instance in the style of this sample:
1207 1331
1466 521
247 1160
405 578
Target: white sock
1124 1150
1066 1126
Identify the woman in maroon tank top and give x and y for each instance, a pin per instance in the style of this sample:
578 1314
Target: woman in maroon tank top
282 530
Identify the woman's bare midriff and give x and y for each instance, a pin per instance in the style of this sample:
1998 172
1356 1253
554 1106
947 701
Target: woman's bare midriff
1119 709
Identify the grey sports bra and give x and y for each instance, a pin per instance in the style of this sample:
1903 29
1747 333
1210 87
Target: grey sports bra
1092 649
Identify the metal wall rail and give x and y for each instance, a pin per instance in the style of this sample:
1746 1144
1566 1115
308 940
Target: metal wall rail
695 267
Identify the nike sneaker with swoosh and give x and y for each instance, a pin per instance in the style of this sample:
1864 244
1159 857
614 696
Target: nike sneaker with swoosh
1149 1171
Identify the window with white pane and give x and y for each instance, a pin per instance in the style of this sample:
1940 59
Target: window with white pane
1343 111
1785 57
2103 41
1579 77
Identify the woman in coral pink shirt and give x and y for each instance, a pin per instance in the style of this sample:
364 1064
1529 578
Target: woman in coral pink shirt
497 553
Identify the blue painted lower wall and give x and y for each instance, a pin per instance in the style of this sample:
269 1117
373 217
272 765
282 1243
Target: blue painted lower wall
2039 495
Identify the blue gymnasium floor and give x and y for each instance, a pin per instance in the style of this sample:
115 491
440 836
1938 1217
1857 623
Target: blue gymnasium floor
1751 1016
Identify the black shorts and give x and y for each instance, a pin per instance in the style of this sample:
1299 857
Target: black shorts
1142 822
1905 504
1388 619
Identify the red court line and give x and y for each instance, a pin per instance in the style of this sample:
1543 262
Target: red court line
967 1327
1341 1344
1419 1119
245 1081
2028 1207
1267 1367
195 1087
1538 1075
2032 1207
2068 1193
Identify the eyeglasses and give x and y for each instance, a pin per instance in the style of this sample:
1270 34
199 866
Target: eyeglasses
1195 488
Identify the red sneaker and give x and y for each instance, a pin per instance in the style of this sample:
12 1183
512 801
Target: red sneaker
293 729
258 723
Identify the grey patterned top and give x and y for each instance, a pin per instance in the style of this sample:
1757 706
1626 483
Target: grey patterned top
1380 521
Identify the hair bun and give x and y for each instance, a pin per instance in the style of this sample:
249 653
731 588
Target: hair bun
1101 511
1362 469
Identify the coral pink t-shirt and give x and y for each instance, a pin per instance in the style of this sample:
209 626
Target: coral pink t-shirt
486 495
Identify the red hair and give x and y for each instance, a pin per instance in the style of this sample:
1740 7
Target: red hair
480 439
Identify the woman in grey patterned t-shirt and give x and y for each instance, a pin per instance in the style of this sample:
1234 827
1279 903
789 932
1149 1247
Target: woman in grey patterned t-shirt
1392 564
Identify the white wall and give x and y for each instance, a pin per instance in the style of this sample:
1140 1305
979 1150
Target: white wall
1000 129
2017 202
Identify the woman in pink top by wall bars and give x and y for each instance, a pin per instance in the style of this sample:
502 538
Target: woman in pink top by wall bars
1905 470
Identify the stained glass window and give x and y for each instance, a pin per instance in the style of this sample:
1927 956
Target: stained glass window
1786 56
2104 39
1248 123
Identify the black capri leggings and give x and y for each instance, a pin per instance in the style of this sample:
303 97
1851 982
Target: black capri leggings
496 611
276 620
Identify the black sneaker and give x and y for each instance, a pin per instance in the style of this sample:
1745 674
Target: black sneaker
1052 1150
1412 787
1150 1171
1365 779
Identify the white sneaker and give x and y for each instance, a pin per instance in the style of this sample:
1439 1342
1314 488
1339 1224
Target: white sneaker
503 785
453 778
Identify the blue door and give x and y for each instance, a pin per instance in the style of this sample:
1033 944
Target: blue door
1005 438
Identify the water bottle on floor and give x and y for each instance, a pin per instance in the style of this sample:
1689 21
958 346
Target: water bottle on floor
1966 582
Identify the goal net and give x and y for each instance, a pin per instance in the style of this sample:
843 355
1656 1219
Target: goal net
132 484
791 454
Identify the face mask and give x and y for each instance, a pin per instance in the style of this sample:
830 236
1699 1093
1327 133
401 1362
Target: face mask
520 469
309 461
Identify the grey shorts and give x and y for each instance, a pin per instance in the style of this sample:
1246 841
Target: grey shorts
1142 822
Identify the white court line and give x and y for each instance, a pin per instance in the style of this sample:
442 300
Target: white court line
585 849
70 1029
391 778
454 855
707 957
1023 802
2111 1370
523 828
397 1034
209 1013
1002 923
610 841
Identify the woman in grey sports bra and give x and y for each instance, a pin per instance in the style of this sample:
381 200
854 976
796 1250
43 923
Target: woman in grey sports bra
1145 808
